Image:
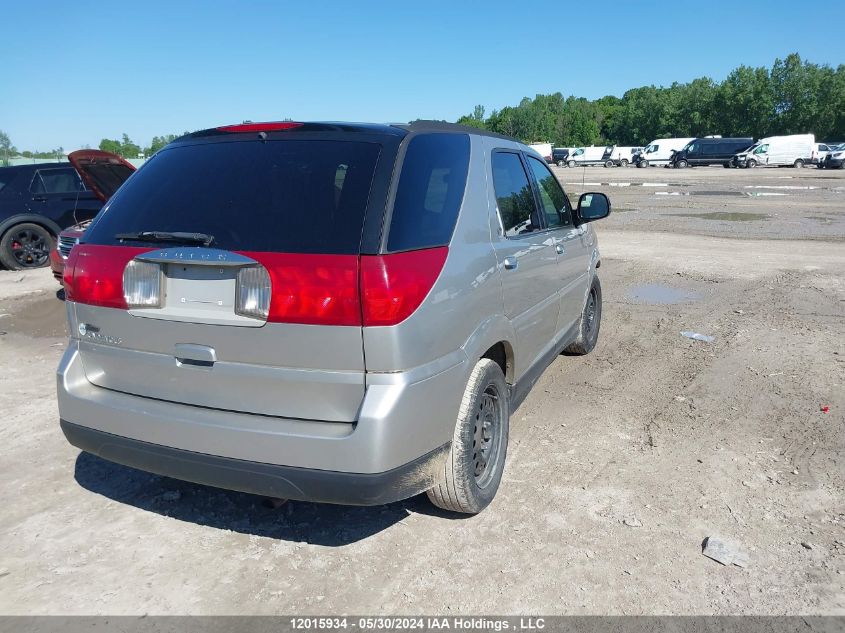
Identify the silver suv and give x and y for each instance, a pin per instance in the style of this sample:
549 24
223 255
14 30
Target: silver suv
331 312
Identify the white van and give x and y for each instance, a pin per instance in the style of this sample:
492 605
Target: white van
795 150
593 155
660 150
543 149
624 156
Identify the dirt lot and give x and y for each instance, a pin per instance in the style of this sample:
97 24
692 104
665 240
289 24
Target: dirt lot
620 464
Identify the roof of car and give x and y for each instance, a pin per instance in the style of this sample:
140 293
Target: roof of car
392 129
32 167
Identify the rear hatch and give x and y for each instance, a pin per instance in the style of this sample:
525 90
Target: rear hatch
217 223
102 172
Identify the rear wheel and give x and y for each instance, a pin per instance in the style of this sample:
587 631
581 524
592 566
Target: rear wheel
26 245
571 163
798 164
608 163
476 460
560 163
588 328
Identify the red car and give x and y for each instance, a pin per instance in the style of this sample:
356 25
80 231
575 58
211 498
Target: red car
103 173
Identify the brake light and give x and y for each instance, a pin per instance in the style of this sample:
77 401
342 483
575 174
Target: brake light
394 285
94 274
312 289
260 127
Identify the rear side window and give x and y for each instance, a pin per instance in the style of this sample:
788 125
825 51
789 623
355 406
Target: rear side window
514 195
552 198
56 181
430 191
287 196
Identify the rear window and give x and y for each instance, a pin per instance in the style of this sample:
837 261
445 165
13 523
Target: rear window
430 191
289 196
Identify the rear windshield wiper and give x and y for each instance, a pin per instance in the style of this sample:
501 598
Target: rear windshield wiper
167 236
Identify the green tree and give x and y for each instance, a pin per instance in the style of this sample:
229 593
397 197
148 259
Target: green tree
110 145
158 142
7 150
793 97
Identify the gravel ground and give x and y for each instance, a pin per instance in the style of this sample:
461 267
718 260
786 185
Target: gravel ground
621 463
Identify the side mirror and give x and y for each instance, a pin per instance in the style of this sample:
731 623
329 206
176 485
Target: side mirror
592 207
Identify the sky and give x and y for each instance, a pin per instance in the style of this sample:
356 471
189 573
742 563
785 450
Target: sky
76 72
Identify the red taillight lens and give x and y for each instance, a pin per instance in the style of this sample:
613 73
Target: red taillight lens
260 127
94 274
312 289
393 286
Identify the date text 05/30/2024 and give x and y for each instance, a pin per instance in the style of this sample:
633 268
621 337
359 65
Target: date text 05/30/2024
408 623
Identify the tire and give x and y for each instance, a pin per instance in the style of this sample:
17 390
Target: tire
608 163
681 164
750 163
642 163
623 162
798 164
590 324
468 483
571 163
560 163
25 246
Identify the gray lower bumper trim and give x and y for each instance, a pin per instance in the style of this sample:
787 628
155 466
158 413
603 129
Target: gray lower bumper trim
271 480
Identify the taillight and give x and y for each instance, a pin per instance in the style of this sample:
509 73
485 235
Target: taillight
94 274
253 292
312 289
142 284
393 286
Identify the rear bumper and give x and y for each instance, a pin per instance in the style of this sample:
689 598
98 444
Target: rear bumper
405 420
270 480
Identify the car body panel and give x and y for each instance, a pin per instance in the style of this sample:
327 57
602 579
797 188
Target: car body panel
338 399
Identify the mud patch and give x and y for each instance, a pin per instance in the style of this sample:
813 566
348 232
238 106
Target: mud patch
44 316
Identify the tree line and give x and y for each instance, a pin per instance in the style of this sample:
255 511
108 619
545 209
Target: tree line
791 97
124 147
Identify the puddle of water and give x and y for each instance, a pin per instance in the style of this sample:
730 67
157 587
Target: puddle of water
778 187
724 215
716 193
660 295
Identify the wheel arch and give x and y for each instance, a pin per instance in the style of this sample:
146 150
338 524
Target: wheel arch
493 339
31 218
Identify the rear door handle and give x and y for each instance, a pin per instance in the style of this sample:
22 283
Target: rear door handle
560 250
191 354
511 263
